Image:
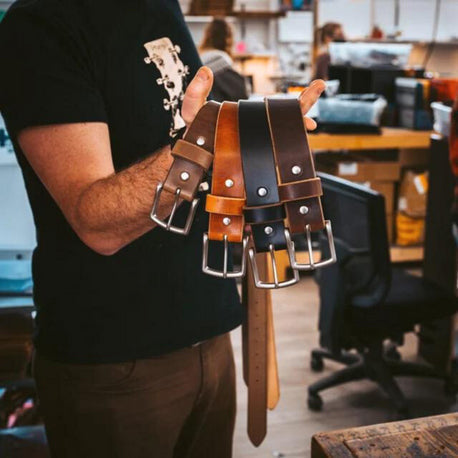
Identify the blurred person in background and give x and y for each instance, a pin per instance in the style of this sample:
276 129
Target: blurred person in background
216 53
328 33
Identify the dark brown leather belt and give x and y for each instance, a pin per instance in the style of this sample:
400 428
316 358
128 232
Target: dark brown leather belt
193 156
227 199
299 187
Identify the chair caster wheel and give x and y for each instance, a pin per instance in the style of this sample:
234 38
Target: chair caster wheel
316 363
315 402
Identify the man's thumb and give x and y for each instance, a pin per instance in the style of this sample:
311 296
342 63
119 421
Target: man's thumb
196 94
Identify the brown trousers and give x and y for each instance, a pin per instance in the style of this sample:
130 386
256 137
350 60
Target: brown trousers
179 405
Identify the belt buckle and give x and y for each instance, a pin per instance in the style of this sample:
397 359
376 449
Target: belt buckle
168 225
311 265
224 273
276 284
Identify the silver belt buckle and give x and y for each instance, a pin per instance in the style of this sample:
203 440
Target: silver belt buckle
168 225
276 284
312 265
224 273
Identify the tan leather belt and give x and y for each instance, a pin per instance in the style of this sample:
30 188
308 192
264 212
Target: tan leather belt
227 199
299 187
193 156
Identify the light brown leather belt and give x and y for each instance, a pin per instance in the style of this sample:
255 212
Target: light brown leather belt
193 156
227 199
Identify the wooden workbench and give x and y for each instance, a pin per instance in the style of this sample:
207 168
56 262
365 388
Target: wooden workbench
422 437
390 138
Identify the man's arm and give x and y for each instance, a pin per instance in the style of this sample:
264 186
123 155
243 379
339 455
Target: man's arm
106 209
109 210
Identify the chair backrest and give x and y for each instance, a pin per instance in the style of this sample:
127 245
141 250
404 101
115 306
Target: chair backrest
362 273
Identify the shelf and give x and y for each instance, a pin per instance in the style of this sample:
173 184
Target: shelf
260 55
258 14
406 253
204 19
414 42
391 138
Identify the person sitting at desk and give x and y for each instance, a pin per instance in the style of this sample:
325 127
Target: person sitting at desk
330 32
216 53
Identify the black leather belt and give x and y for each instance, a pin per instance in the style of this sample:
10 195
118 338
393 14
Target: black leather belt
264 211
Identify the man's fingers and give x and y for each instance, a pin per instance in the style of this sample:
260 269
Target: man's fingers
196 94
311 94
310 124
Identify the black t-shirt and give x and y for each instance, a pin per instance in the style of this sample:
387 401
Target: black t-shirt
66 61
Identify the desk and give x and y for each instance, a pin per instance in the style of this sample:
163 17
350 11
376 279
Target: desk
391 138
19 304
421 437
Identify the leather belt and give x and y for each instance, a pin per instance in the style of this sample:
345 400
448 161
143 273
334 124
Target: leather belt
263 175
264 211
299 187
227 199
193 156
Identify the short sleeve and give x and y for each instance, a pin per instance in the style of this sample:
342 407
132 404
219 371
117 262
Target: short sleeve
46 76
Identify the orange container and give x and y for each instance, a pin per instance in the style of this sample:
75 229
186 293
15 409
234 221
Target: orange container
443 89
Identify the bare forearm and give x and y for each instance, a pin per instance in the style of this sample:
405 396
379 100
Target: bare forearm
114 211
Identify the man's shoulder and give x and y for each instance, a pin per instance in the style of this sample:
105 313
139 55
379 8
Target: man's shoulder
27 12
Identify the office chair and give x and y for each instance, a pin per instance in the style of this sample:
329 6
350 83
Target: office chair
365 301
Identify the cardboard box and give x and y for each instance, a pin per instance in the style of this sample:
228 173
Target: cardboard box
413 193
409 230
359 167
414 158
390 228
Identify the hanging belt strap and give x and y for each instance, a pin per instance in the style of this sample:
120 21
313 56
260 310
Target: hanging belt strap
227 199
299 188
193 156
264 211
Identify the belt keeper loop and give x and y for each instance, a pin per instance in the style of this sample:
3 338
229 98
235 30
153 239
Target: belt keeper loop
193 153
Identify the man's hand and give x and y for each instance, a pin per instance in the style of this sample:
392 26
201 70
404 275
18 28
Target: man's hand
199 88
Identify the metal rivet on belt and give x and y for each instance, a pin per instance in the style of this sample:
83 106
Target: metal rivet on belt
296 170
268 230
262 192
304 210
229 183
184 176
226 221
200 141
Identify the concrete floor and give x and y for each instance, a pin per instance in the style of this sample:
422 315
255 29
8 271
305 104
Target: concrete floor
291 425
